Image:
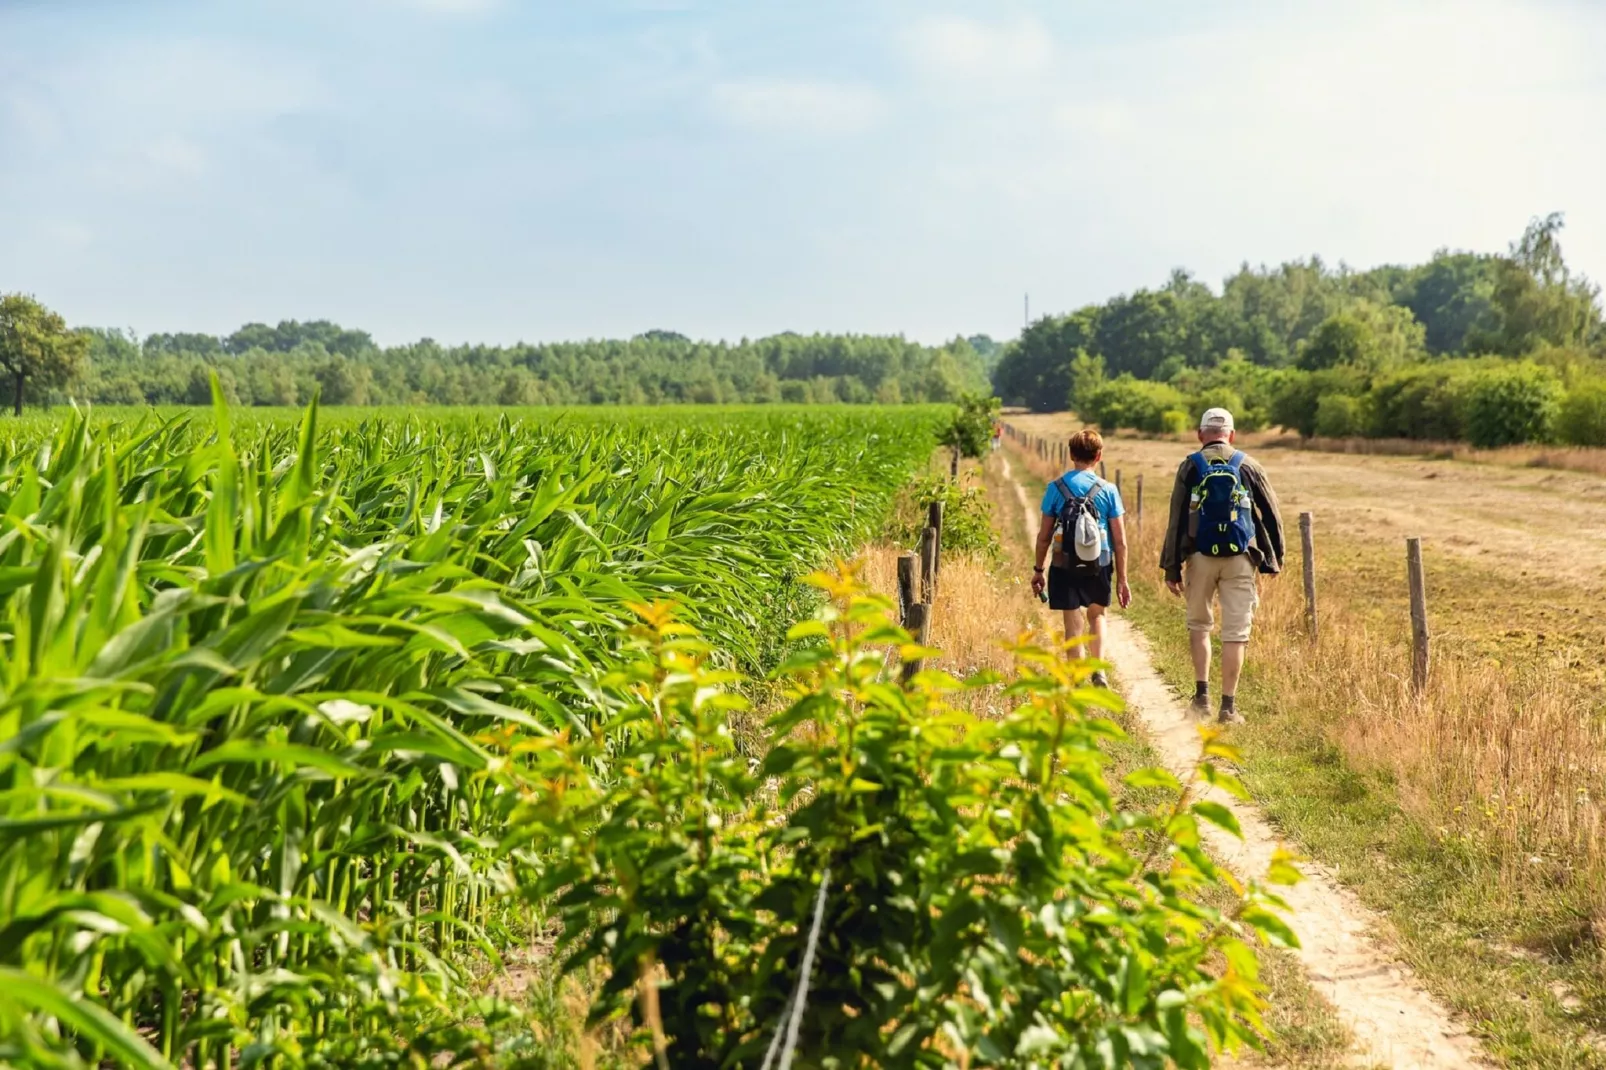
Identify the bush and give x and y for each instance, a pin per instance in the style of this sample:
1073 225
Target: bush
1422 402
1582 420
977 887
967 517
1138 404
972 429
1340 416
1174 422
1511 404
1298 396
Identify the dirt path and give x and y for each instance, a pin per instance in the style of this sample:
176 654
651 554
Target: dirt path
1393 1018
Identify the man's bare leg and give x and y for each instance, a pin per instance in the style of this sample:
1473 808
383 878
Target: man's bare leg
1232 664
1199 645
1095 628
1076 625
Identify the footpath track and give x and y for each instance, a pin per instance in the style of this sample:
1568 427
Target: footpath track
1396 1022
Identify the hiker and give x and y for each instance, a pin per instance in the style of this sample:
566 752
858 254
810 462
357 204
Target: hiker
1082 525
1225 531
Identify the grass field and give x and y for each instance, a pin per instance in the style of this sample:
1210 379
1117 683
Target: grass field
1472 818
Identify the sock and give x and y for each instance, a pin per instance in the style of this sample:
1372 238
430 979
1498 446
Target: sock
1227 702
1201 689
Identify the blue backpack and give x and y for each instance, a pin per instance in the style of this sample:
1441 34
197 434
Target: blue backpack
1222 515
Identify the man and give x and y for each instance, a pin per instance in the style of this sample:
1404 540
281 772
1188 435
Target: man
1080 588
1225 531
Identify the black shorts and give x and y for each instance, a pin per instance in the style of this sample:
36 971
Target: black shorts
1071 590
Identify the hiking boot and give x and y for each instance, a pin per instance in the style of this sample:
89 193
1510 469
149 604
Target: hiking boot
1230 715
1199 707
1101 680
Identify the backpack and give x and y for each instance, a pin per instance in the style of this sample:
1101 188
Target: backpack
1222 519
1080 541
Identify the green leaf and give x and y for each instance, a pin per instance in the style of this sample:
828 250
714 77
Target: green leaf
1218 815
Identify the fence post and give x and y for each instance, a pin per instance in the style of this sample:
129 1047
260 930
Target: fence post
1101 469
934 520
1117 481
1419 614
1307 546
1140 498
918 624
953 468
908 584
928 564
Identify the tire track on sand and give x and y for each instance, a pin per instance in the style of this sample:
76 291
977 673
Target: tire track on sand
1394 1019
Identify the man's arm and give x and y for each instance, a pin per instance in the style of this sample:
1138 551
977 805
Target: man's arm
1045 540
1269 523
1123 590
1176 528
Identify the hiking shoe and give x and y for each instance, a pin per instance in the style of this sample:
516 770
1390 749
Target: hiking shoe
1100 680
1230 716
1200 706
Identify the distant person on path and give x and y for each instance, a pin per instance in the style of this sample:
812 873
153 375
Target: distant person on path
1083 528
1225 530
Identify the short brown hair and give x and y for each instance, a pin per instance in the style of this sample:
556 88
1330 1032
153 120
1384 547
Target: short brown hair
1086 445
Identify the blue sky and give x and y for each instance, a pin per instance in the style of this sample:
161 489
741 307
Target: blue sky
491 170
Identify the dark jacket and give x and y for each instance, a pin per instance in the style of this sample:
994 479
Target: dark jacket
1267 550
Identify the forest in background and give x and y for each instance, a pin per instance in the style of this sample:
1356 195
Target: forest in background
1490 348
285 364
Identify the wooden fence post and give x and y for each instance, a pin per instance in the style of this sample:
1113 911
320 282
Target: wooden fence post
1117 481
934 520
1140 498
928 564
953 468
1419 614
908 584
1307 546
1101 469
918 625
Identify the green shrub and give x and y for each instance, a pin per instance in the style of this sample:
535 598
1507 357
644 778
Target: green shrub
1426 401
1582 420
967 517
976 886
972 429
1340 416
1510 404
1299 395
1174 421
1137 404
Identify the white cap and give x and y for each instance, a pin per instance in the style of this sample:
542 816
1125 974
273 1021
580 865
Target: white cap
1216 420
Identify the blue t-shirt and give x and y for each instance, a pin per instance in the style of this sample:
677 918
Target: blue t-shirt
1107 503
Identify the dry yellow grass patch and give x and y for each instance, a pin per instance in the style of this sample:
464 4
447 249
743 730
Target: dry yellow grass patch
975 612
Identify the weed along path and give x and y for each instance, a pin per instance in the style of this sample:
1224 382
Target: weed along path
1394 1020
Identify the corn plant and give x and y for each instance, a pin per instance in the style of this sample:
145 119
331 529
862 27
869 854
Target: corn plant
260 678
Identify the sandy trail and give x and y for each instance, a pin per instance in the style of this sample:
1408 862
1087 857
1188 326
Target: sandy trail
1394 1020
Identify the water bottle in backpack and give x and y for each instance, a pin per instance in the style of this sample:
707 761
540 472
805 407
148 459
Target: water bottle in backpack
1222 516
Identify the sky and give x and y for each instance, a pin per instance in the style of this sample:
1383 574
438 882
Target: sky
502 170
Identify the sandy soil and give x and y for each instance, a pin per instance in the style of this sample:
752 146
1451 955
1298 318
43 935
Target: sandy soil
1541 524
1395 1021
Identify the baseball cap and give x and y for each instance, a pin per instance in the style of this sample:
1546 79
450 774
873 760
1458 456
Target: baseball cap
1216 420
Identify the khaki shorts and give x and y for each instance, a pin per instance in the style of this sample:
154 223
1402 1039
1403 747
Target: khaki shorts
1233 578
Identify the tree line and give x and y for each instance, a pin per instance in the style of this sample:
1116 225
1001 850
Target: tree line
287 364
1490 348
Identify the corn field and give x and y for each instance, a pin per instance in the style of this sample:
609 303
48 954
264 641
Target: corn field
256 674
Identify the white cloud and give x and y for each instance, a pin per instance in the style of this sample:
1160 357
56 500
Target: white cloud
176 155
454 7
950 46
799 106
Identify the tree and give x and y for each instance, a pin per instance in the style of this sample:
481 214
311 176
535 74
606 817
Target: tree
36 348
1367 336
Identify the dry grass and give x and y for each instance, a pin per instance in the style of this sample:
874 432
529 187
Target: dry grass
1590 460
975 611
